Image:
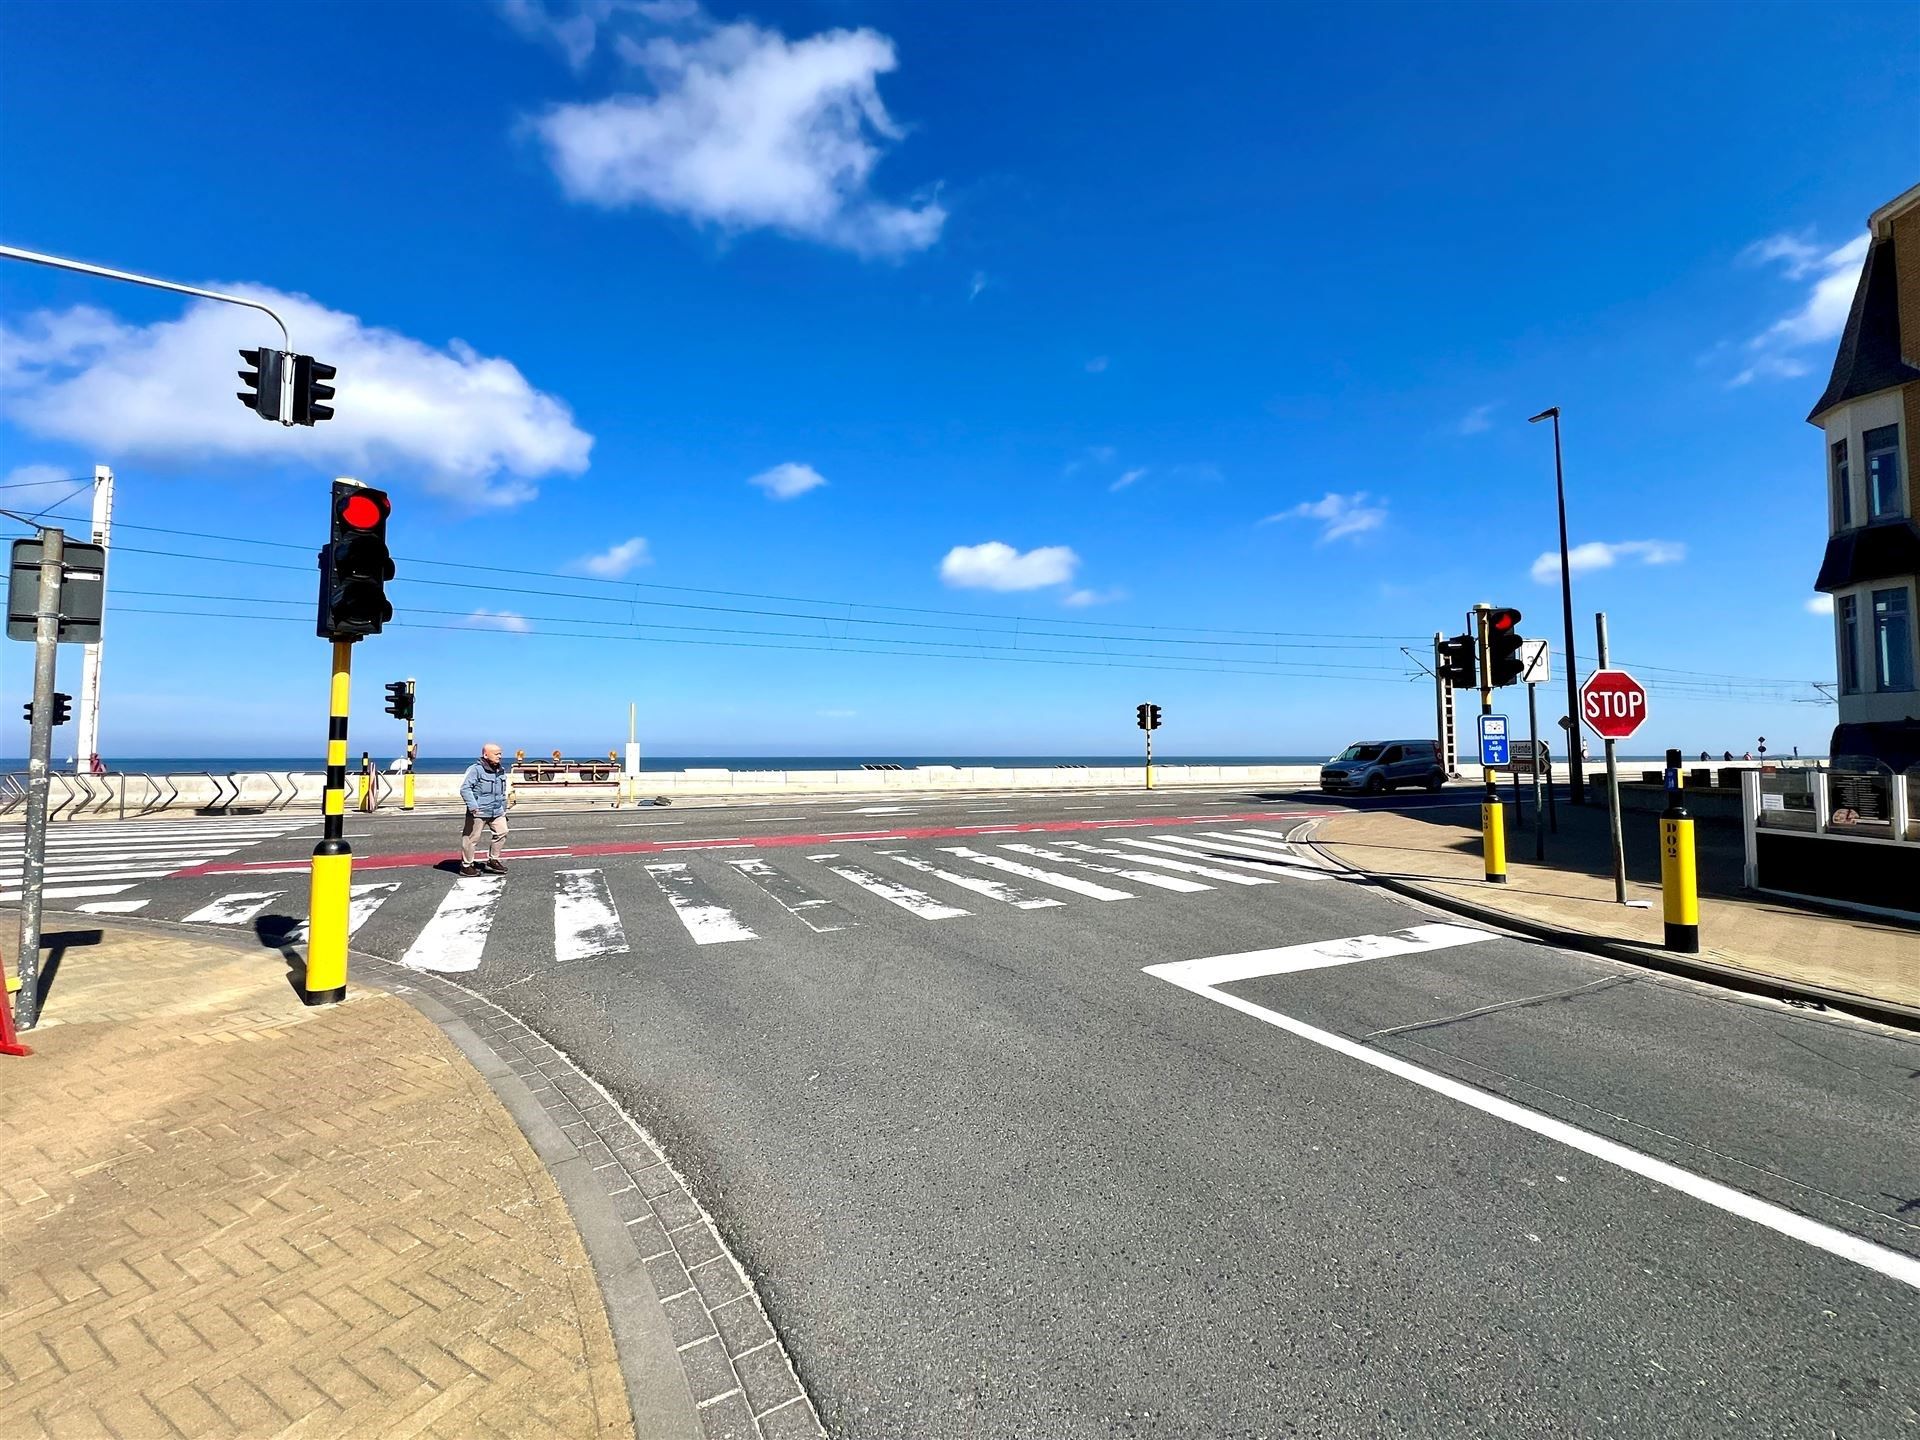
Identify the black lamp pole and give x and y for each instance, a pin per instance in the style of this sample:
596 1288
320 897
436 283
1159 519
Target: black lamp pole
1576 778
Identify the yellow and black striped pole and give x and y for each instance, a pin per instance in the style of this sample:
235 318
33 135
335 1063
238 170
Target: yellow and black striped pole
1679 882
406 780
332 880
1493 819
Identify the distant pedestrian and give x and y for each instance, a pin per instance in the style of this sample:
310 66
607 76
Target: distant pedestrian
484 789
95 765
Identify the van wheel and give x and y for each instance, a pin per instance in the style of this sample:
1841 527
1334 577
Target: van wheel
1435 782
1376 784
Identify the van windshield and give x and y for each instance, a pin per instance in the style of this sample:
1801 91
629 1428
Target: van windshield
1362 751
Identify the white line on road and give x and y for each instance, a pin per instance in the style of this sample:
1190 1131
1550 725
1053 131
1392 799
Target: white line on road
1891 1263
816 912
585 924
457 934
1316 955
1209 851
112 907
1140 877
979 884
1185 867
643 824
362 901
234 909
1071 883
707 921
905 896
1277 851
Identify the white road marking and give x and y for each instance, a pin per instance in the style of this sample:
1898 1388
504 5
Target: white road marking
235 909
1209 852
89 872
112 907
1276 850
362 901
883 810
457 934
816 912
585 924
643 824
1054 878
70 892
855 834
1192 975
1185 867
1316 955
905 896
979 884
1209 844
707 921
1141 877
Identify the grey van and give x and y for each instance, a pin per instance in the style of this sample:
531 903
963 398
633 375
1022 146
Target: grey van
1373 767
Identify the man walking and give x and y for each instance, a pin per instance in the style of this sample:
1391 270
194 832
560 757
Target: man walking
484 789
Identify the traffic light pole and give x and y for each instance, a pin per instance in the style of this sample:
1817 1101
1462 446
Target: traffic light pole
406 780
33 862
331 881
1493 828
1149 759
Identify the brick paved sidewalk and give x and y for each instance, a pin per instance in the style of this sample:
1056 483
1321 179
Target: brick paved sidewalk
222 1213
1438 850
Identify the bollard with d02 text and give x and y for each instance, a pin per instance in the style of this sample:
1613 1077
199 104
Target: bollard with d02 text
1679 883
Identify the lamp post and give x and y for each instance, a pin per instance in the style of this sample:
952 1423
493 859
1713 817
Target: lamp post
1576 779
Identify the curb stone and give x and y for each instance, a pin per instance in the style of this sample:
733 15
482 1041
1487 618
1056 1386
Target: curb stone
1649 957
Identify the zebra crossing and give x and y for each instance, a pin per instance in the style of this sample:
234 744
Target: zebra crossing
88 861
428 924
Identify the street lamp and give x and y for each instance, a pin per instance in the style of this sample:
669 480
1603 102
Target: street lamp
1576 779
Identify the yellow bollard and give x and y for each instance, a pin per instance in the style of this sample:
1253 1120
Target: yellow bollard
1679 883
1493 841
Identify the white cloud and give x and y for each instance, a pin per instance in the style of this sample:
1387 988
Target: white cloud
1097 364
997 566
469 425
978 283
1128 478
30 489
742 128
784 482
1476 421
1603 555
1339 515
616 561
1820 604
1080 599
499 620
1821 315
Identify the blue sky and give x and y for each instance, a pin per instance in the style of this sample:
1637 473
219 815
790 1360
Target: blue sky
1216 317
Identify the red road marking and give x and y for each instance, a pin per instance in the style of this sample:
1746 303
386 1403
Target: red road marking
671 847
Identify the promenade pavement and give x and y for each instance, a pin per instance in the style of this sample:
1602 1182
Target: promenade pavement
224 1213
1438 851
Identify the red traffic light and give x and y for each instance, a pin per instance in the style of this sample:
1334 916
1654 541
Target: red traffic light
1504 620
362 512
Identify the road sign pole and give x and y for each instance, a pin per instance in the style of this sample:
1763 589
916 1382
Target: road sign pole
33 862
1493 827
331 880
1149 759
1539 813
1613 784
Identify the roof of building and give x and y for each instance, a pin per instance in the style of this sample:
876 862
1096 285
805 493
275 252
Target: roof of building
1869 359
1878 551
1881 221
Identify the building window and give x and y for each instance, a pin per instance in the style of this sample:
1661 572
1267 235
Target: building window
1883 472
1849 645
1892 640
1842 489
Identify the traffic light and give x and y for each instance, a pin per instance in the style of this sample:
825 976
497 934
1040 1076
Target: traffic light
1147 717
1503 647
1457 666
310 390
400 699
355 566
62 709
269 366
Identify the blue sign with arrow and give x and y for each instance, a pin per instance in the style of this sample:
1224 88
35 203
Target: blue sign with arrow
1493 740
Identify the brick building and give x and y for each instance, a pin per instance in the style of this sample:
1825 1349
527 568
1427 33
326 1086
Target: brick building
1871 415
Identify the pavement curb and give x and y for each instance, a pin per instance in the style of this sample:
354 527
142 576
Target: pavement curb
700 1361
1749 982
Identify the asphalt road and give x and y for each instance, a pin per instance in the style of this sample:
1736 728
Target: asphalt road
1024 1171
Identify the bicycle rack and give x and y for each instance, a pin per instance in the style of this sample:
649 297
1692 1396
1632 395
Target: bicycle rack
12 792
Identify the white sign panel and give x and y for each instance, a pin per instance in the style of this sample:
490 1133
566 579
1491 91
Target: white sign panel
1535 666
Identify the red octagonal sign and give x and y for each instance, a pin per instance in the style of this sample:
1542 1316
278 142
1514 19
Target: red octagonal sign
1613 704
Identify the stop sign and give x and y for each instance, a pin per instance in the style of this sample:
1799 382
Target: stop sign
1613 704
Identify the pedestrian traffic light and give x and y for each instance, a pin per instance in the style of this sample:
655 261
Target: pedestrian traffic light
1147 717
263 379
1503 647
355 566
400 699
1457 664
62 709
310 390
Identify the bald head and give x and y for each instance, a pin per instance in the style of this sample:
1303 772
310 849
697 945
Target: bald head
490 753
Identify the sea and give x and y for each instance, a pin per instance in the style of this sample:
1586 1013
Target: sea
454 764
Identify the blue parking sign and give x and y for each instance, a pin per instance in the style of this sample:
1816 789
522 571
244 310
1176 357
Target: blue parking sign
1493 740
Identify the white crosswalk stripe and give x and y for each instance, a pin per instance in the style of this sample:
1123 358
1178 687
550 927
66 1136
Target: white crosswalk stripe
913 901
82 857
362 901
1072 883
585 924
1185 867
1212 852
1139 877
454 938
816 912
1276 850
707 921
235 909
979 884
